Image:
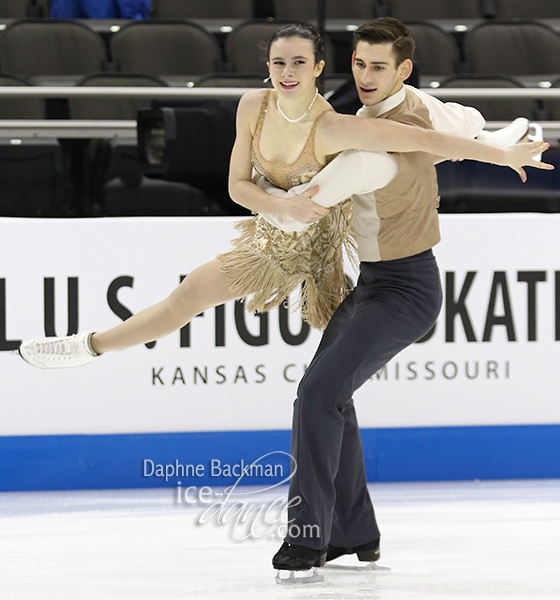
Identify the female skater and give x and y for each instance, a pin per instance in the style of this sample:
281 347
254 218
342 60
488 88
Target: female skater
287 135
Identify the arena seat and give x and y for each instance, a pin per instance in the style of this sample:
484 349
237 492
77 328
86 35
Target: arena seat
20 108
202 9
496 109
21 9
512 48
524 9
33 179
408 10
171 48
335 9
40 48
31 171
437 53
245 47
112 107
553 106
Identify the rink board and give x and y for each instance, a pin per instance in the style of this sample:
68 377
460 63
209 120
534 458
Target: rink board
477 399
407 454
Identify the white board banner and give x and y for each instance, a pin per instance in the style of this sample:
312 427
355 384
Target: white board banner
493 358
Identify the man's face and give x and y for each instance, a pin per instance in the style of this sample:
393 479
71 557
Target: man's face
375 72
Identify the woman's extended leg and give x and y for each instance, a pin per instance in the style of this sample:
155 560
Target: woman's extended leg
203 288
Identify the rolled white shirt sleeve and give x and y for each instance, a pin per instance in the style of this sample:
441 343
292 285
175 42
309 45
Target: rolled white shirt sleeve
351 172
450 117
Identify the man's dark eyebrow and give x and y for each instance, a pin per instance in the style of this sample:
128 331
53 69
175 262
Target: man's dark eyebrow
375 62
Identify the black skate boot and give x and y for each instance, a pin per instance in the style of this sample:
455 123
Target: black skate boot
369 552
298 564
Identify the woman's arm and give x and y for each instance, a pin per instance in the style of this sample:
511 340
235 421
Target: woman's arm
241 188
341 132
351 172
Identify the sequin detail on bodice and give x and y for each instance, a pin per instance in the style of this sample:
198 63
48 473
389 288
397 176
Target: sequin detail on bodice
302 170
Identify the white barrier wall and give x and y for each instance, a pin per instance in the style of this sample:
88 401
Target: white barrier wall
493 358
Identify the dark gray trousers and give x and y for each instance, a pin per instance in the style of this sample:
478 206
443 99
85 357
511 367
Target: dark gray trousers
394 304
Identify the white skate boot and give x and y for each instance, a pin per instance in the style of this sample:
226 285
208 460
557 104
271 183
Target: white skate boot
520 130
513 133
58 352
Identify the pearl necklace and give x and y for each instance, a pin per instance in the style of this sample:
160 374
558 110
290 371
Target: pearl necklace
302 116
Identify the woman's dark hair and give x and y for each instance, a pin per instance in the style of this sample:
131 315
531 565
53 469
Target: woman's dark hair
305 32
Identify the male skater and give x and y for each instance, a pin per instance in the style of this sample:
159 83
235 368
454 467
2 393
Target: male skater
396 302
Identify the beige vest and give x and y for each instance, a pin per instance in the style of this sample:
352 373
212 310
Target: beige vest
401 219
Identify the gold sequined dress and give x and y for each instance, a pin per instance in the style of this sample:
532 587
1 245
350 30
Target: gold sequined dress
266 264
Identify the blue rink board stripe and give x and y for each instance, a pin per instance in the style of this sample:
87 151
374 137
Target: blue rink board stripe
216 458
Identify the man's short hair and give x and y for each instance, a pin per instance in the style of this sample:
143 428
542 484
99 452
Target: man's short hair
387 30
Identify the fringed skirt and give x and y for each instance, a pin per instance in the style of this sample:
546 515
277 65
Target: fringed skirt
267 264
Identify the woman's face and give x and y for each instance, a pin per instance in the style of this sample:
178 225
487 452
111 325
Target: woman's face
292 66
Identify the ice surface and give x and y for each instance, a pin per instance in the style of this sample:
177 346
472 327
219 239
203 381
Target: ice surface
466 540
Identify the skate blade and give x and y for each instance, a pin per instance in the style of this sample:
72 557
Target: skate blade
298 577
370 567
535 134
377 568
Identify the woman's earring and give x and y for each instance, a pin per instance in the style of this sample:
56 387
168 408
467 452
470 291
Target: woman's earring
266 80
